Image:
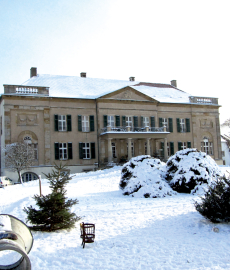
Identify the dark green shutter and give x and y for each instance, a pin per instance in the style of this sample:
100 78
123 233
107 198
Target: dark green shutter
56 122
80 150
105 120
142 121
170 125
69 124
91 118
70 151
123 121
93 152
56 150
79 123
178 124
172 148
187 121
118 122
179 146
189 145
135 121
160 122
152 121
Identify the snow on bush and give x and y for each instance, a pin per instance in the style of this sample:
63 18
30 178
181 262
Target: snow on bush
191 171
142 176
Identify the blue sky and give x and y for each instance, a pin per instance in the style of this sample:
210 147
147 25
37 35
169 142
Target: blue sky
152 40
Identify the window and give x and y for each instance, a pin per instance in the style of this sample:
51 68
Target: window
114 150
207 146
85 123
110 120
62 123
129 121
183 145
145 122
87 150
63 151
165 122
132 149
183 125
29 176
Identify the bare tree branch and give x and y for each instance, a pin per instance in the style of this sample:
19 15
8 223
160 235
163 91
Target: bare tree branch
18 157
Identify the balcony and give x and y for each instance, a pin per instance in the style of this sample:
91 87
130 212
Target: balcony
204 100
110 129
26 90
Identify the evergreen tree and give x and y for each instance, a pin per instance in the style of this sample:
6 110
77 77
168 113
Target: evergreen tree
216 202
54 208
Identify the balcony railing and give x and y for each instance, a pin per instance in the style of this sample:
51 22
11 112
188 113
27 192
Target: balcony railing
204 100
26 90
133 129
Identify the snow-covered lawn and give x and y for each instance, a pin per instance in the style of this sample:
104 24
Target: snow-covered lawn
131 233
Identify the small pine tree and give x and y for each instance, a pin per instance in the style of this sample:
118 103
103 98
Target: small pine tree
215 205
54 208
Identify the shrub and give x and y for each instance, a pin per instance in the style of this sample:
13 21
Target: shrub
142 176
190 170
215 205
54 209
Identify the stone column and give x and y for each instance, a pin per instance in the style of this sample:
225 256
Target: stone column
110 153
148 146
165 149
129 149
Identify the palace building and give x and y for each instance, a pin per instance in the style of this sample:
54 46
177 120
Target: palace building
88 122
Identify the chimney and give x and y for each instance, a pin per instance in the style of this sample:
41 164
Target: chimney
132 78
83 74
33 72
174 83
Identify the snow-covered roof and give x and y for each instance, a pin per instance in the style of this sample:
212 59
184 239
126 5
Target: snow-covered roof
91 88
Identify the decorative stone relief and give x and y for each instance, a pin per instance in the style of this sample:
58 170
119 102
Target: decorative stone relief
27 119
205 123
127 94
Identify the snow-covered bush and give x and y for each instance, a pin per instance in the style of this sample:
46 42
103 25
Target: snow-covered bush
216 201
142 176
191 171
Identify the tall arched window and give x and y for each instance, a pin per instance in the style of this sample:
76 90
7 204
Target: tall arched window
207 146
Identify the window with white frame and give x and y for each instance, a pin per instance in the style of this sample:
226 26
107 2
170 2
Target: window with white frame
85 123
62 122
165 122
63 151
29 176
145 121
110 120
114 150
182 125
207 146
129 121
86 150
183 145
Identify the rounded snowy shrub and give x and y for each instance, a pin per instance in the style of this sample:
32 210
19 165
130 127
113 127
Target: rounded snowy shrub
216 201
190 170
142 176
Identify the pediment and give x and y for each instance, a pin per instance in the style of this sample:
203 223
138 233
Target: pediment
127 93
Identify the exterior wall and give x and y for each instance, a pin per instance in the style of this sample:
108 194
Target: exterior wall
34 116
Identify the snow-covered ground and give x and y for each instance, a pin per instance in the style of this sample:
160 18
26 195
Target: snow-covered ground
131 233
